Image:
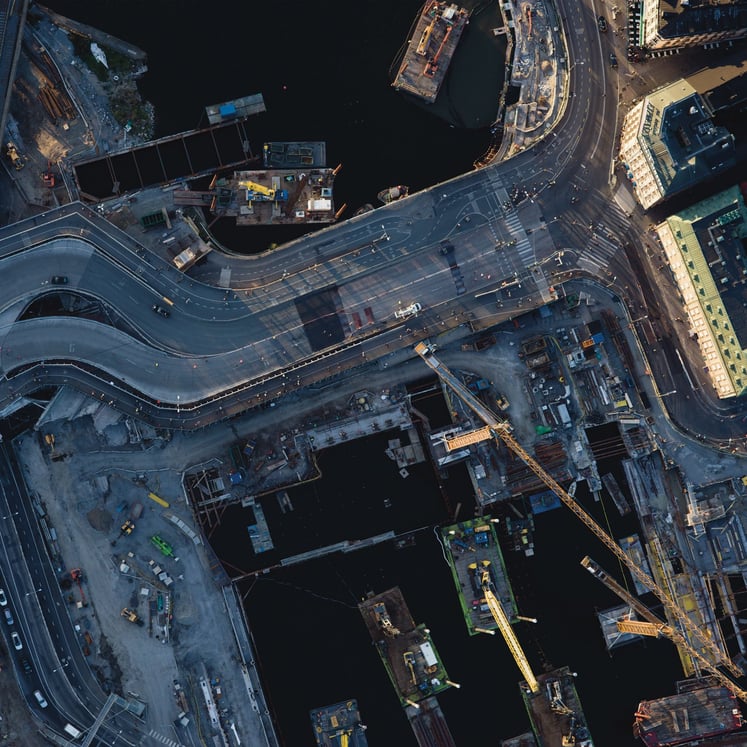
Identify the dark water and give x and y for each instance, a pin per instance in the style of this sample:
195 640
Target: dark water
323 68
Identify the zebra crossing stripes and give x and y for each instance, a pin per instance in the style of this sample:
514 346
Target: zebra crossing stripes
591 264
153 734
603 247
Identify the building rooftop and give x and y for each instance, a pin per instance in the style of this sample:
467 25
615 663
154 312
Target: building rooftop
670 142
688 17
706 247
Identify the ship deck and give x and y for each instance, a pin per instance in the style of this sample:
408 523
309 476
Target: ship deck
428 675
430 49
466 546
551 721
331 722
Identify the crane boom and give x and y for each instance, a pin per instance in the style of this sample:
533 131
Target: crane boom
508 632
655 626
502 430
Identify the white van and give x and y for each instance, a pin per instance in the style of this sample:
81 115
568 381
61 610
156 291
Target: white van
72 732
410 310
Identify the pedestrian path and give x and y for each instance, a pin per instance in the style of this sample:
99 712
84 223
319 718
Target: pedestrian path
153 734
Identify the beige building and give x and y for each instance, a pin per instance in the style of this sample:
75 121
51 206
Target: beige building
706 246
669 143
677 24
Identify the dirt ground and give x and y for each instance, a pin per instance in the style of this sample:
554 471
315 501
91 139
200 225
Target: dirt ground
17 728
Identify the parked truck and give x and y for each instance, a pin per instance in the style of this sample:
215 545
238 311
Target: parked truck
72 732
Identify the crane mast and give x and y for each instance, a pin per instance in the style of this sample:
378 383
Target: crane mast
508 632
653 626
502 430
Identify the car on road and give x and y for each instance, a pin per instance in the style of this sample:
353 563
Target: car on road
40 699
3 598
26 666
59 280
160 310
8 617
17 645
613 60
602 23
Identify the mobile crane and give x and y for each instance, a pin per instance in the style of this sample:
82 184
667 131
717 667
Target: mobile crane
651 625
502 430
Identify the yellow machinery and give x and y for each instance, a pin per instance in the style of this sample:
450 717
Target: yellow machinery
651 625
14 157
409 658
258 189
470 437
502 430
131 616
385 622
425 37
507 631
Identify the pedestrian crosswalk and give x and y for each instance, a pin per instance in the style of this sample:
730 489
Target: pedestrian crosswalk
161 739
523 247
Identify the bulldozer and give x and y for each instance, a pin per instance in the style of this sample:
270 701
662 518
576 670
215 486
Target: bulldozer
131 616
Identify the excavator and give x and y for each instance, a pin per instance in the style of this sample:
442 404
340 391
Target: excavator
385 622
502 431
131 616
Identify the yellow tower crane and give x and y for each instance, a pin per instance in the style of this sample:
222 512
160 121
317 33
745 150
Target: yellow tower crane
501 620
502 430
651 625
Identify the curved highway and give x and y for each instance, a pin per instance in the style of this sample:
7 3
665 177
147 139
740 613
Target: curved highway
326 302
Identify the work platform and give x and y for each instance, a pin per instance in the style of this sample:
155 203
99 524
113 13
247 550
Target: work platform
240 108
407 651
295 155
430 49
555 711
338 724
470 545
688 716
275 196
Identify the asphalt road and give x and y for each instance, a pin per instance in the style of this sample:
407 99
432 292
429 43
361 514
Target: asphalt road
328 301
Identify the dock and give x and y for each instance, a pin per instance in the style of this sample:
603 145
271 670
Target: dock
470 547
275 196
555 712
240 108
429 725
406 649
634 550
338 724
430 49
688 716
620 501
294 155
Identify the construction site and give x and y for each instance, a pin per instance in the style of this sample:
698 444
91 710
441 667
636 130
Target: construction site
432 43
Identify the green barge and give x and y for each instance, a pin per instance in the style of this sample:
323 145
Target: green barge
470 547
406 649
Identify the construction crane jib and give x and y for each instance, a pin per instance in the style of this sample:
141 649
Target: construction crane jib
653 626
508 633
502 429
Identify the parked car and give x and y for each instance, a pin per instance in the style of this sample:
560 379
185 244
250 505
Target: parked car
613 60
17 645
3 598
59 280
8 617
602 23
26 666
160 310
